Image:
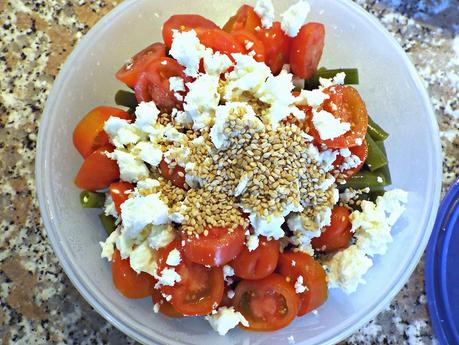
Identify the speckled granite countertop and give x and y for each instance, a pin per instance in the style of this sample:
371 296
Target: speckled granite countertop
39 305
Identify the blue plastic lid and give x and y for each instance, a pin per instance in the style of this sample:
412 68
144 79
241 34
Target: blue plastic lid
442 270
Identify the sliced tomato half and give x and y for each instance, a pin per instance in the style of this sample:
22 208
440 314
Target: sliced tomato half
359 151
120 193
337 235
164 306
250 44
245 19
176 174
185 22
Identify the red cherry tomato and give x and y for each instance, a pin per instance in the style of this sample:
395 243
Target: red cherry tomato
277 46
98 171
361 152
164 306
176 175
258 263
89 133
185 22
337 235
268 304
128 282
153 84
200 289
219 40
293 265
219 247
131 70
345 104
244 19
306 50
120 193
250 43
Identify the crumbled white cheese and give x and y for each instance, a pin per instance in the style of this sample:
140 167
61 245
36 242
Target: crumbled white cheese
143 259
328 126
181 118
148 152
174 258
269 227
216 63
230 293
299 287
160 236
295 17
228 271
313 98
265 9
156 307
291 339
121 132
350 162
339 78
225 319
393 202
108 247
131 168
293 263
358 142
345 152
302 234
109 206
126 245
146 116
252 242
298 113
187 50
242 185
176 84
326 159
147 184
167 277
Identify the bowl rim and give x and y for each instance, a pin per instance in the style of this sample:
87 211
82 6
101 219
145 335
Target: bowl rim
42 166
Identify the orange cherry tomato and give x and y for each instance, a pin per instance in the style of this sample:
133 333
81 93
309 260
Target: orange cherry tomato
219 40
130 72
128 282
89 133
200 288
245 19
268 304
120 193
98 171
185 22
306 50
258 263
337 235
153 84
219 247
292 265
277 46
361 152
164 306
250 43
176 175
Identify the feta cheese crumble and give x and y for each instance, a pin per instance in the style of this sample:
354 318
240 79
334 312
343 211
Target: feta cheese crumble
328 126
187 50
225 319
173 259
167 277
132 169
160 236
265 9
143 259
252 242
295 17
299 287
108 247
228 271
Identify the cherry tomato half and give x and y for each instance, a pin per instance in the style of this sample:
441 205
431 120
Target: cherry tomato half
164 306
293 265
219 247
130 72
120 193
185 22
98 171
250 43
89 133
306 50
128 282
245 19
337 235
268 304
219 40
258 263
361 152
176 175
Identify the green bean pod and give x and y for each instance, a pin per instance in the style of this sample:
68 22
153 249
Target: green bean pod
375 131
385 169
92 200
352 77
376 158
108 222
374 180
126 99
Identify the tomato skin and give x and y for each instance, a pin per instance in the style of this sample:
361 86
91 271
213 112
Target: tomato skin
277 46
260 300
128 282
242 37
258 263
185 22
306 50
337 235
176 175
130 72
245 19
218 248
97 171
89 133
361 152
164 306
313 277
153 84
120 193
219 40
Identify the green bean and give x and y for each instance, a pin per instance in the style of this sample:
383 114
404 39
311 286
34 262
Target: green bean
352 77
126 99
376 158
375 131
91 200
374 180
108 222
385 169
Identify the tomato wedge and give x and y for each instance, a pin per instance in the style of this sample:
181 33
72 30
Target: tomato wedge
306 50
120 193
185 22
250 43
258 263
219 40
164 306
130 72
292 265
176 175
89 133
200 288
128 282
345 104
219 247
267 304
277 46
153 84
98 171
337 235
360 151
245 19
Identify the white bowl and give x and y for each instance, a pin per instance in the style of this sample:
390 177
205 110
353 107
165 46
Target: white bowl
394 96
